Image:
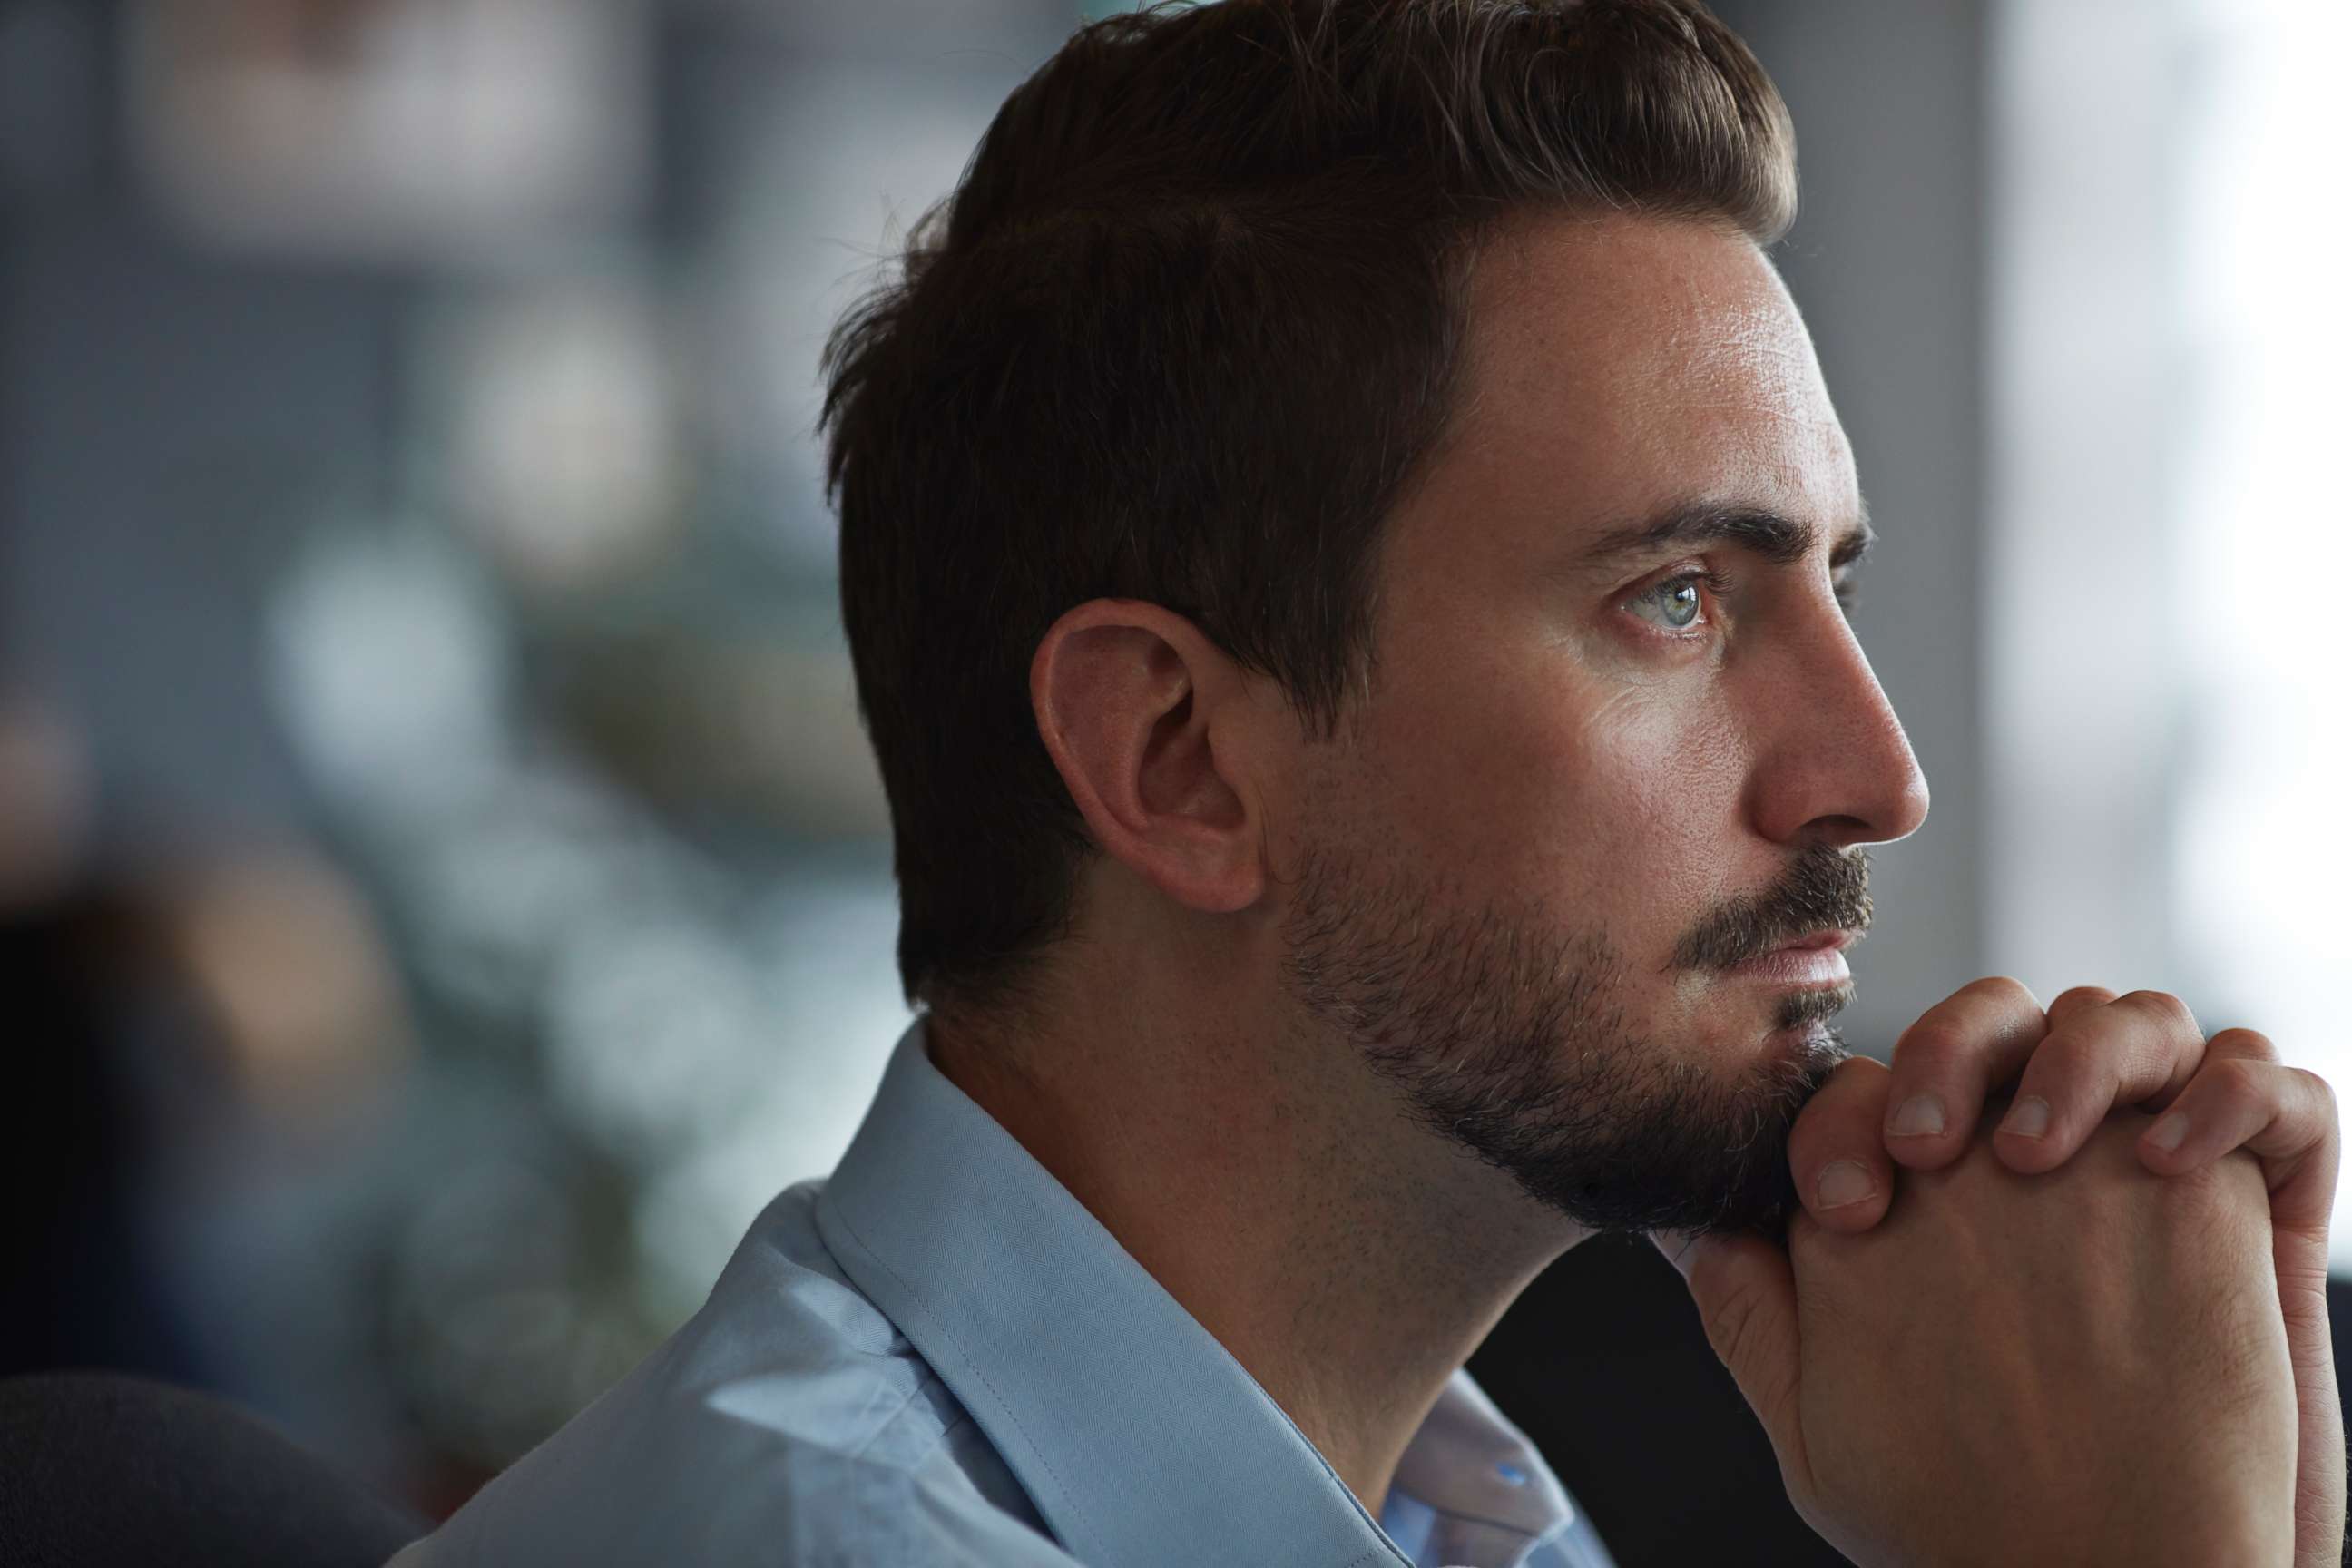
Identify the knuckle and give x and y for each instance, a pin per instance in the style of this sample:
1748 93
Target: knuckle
2162 1006
2066 1058
1933 1049
2322 1093
2236 1081
2244 1043
2001 988
2083 993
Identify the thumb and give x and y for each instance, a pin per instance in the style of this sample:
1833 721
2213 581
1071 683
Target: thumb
1748 1301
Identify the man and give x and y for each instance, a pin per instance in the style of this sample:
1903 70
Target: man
1343 543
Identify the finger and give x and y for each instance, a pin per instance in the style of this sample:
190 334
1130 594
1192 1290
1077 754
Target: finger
2142 1046
2283 1116
1746 1299
1960 1050
1836 1153
2076 998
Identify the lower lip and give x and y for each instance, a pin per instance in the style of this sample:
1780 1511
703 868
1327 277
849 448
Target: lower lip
1798 966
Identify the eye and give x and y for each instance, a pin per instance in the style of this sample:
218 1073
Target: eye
1677 604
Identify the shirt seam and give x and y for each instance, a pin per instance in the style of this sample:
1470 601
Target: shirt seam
979 1371
882 1428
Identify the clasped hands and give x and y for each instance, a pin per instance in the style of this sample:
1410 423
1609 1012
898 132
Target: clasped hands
2096 1332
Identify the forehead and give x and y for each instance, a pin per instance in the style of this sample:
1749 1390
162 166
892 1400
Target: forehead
1617 364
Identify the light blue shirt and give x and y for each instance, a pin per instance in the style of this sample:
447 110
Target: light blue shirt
938 1358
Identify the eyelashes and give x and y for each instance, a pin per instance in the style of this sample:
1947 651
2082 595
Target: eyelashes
1671 594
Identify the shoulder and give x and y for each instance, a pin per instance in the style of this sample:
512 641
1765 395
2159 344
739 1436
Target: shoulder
787 1504
787 1423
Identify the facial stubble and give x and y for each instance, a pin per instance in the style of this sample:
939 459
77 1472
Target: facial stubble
1507 1033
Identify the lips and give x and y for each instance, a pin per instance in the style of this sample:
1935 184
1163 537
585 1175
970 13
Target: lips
1817 958
1831 939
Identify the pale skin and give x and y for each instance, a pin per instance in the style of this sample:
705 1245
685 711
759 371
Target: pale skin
1539 728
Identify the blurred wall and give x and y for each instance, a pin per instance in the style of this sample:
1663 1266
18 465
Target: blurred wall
409 539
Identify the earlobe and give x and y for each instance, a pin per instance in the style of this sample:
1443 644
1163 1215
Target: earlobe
1144 718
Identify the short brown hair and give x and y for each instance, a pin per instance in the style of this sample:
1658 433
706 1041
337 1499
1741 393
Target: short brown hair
1185 331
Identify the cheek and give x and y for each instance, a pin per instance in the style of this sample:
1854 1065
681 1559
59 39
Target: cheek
1655 777
1605 799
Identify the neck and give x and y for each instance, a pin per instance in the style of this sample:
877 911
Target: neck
1349 1260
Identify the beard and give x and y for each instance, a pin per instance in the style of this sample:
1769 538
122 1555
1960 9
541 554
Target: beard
1507 1034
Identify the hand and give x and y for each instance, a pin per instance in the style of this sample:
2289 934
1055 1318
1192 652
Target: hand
2080 1366
2091 1052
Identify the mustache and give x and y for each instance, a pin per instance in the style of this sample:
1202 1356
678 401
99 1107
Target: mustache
1824 886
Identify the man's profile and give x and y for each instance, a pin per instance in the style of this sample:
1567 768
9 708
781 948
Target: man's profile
1343 548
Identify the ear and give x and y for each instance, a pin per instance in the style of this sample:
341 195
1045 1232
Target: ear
1150 726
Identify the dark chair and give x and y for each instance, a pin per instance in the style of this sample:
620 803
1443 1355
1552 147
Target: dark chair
98 1467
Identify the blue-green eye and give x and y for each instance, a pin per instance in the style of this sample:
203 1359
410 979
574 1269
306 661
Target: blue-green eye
1677 601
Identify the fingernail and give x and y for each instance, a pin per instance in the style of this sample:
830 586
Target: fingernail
1843 1182
2168 1131
2028 1117
1918 1117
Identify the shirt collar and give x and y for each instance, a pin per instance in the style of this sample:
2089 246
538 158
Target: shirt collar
1136 1433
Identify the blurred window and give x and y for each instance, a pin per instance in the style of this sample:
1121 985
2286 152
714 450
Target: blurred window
2167 718
2264 837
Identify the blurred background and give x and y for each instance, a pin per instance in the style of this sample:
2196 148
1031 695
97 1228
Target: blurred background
444 889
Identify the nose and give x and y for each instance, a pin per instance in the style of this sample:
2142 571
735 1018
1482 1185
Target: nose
1833 765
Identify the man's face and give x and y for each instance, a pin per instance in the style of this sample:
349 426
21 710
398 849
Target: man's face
1620 739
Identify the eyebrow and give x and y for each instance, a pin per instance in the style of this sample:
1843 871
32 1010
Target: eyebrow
1780 539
